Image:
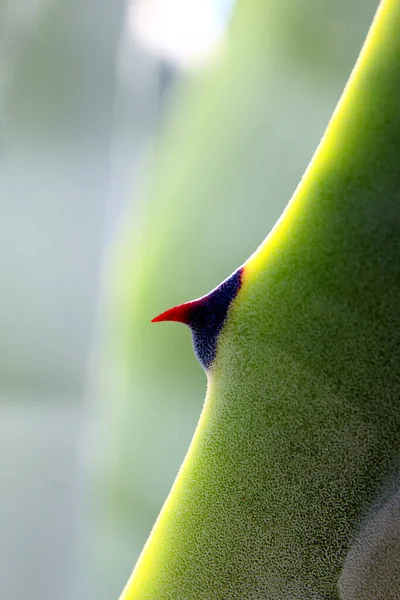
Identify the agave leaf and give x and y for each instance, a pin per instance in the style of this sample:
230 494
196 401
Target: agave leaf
295 459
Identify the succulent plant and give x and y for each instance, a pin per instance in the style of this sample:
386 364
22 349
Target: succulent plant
289 489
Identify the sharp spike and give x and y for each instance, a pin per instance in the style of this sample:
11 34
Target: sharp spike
179 314
206 316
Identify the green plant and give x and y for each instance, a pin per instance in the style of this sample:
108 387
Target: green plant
295 458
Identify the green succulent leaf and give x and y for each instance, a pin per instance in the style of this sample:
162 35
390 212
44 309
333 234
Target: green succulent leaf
289 487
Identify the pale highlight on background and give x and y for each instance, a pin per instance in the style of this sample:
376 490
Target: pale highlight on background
186 32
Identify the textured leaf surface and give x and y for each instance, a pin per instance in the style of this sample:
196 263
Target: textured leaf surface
297 446
234 144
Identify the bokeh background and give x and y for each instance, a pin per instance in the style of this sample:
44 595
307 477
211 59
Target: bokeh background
146 149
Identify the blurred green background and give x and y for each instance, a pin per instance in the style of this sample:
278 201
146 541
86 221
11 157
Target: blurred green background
146 149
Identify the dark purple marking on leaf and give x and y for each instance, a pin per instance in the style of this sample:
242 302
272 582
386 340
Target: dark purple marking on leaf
206 317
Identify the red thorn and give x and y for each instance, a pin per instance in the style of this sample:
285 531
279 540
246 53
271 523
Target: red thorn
179 314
